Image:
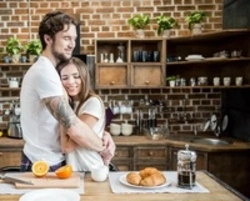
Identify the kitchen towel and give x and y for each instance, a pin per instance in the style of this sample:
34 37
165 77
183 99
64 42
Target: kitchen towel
118 188
6 188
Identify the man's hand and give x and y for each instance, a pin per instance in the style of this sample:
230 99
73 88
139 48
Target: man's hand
108 153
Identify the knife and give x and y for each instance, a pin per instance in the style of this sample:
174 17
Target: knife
14 180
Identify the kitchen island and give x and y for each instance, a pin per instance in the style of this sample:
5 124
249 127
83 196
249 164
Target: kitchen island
101 191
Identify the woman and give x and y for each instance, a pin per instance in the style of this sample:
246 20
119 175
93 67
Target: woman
88 106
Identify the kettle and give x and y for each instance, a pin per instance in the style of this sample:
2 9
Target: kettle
15 130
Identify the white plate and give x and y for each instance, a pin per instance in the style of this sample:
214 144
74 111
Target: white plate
224 123
52 194
123 180
213 122
194 57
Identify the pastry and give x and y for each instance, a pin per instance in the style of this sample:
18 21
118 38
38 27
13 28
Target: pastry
148 171
149 176
156 179
133 178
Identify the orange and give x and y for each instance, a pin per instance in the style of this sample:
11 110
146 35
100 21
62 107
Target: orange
40 168
64 172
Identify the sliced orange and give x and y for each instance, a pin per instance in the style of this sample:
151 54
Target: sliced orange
40 168
64 172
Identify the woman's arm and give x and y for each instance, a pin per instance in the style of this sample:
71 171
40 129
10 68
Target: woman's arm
67 145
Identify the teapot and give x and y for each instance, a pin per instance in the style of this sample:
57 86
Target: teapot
13 82
15 130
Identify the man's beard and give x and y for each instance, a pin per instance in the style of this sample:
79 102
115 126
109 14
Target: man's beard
59 56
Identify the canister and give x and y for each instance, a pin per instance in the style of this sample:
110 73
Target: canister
186 167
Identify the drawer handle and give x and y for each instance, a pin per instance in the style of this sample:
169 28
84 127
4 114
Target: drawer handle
151 153
112 82
147 82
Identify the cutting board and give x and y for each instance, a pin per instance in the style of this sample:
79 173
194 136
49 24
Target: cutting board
49 181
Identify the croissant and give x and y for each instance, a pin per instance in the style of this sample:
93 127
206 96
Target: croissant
147 172
133 178
155 179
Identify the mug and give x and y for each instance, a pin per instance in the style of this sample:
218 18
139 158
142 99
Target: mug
202 81
99 173
156 56
216 81
123 109
226 81
238 81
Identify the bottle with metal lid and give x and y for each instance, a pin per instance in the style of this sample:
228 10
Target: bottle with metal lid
186 167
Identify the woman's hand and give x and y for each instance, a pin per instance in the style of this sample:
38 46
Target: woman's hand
109 152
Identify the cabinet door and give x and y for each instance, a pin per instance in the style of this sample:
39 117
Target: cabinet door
147 75
153 156
201 161
10 158
123 158
112 76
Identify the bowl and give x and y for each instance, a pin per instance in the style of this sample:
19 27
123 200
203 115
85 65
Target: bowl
156 133
127 129
115 129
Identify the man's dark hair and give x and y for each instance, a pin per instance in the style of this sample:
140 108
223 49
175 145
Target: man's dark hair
53 23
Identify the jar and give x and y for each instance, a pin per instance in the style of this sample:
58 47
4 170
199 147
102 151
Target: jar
186 167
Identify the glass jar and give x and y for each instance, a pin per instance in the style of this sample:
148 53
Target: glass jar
186 167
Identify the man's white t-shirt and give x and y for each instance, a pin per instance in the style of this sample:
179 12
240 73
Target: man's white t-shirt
40 128
83 159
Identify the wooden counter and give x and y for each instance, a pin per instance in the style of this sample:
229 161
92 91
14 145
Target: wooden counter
102 192
141 140
137 152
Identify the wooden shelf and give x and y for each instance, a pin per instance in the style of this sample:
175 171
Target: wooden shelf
207 61
15 64
9 89
210 35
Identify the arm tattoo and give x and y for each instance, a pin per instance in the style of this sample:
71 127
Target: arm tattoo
61 110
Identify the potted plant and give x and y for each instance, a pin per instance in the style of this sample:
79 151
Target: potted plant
194 20
13 49
139 22
165 24
33 49
172 79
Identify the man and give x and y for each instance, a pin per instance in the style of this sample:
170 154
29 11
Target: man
43 102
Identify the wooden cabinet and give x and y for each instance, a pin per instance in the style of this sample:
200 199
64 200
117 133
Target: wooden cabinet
10 157
123 158
142 65
211 46
154 156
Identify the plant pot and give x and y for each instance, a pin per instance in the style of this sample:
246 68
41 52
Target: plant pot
15 58
166 33
140 33
196 29
32 58
172 83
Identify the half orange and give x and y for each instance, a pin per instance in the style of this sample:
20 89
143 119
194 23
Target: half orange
64 172
40 168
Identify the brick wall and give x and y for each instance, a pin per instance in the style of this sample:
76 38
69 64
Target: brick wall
108 18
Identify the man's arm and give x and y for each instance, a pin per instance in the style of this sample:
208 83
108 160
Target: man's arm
78 131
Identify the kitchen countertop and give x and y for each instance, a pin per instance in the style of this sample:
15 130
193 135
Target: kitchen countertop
6 143
102 192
